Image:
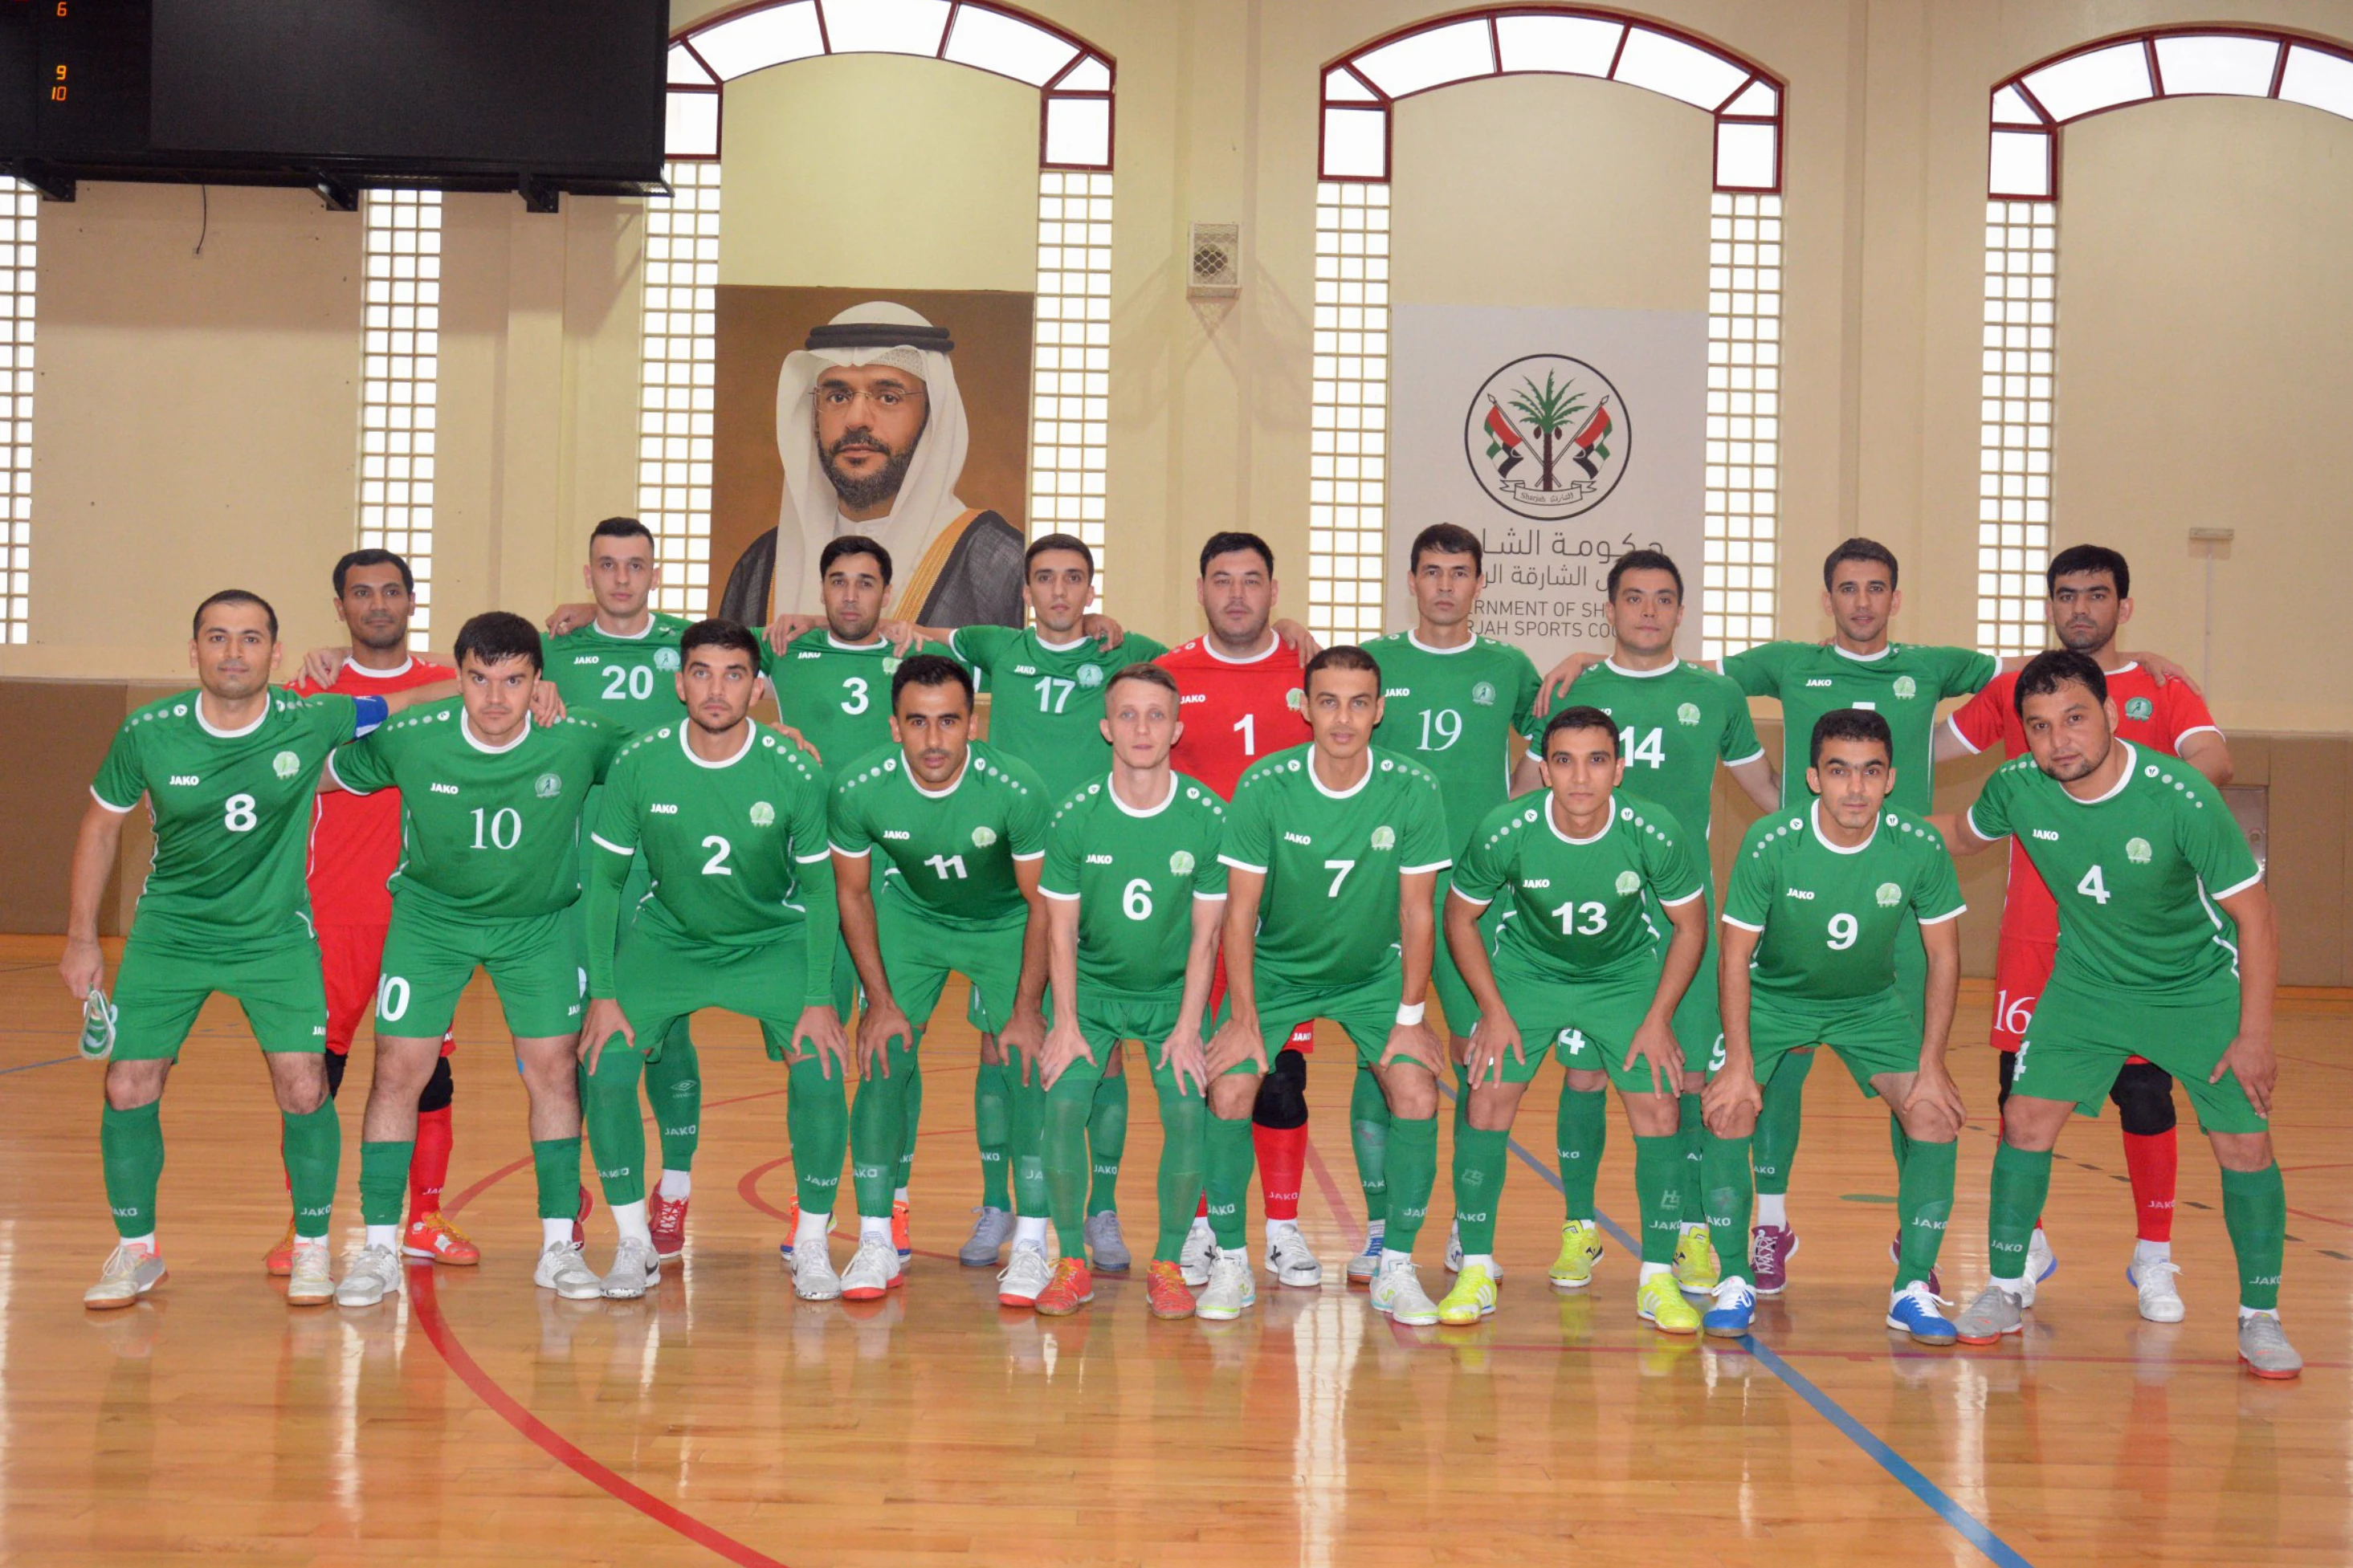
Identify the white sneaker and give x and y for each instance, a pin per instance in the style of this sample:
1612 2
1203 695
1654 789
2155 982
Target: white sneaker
813 1276
563 1270
1397 1290
1023 1276
311 1283
130 1273
2042 1263
1361 1266
1201 1246
1288 1257
373 1273
1453 1254
872 1270
2159 1302
636 1265
1230 1291
1454 1247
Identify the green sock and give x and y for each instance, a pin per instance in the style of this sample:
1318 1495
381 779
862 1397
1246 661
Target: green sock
1580 1130
315 1155
384 1179
1413 1172
2254 1211
878 1125
1898 1141
674 1094
1481 1159
1775 1142
1068 1111
1730 1193
131 1147
1227 1174
1106 1143
1924 1202
616 1133
1025 1148
2020 1183
1658 1174
1691 1137
914 1103
992 1128
556 1161
1182 1115
1368 1134
816 1122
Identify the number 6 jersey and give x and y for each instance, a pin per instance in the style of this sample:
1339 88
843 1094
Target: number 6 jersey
1134 875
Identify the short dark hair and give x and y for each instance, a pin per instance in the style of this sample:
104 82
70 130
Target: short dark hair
1446 539
233 596
372 558
1859 549
720 632
1580 716
1851 724
1069 542
1644 561
2079 558
1227 543
1340 655
496 635
853 544
622 528
1150 674
930 669
2048 671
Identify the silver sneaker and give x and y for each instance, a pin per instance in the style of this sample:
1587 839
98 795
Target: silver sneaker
373 1273
1106 1247
1994 1313
2160 1302
1454 1248
2263 1345
310 1283
1396 1292
128 1275
563 1270
813 1276
872 1269
1362 1268
1453 1256
990 1232
1028 1273
1199 1250
1288 1259
1230 1291
636 1265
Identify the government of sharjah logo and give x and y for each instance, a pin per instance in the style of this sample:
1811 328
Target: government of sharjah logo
1548 436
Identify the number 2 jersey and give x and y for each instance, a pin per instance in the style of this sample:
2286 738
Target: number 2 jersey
946 855
1236 712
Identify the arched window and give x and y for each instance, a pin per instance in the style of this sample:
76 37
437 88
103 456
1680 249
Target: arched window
1350 431
2019 367
1070 368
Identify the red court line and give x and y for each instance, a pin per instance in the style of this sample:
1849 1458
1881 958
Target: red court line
2321 1219
1333 1195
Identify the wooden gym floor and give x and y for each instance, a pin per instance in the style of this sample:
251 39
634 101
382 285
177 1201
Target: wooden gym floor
480 1420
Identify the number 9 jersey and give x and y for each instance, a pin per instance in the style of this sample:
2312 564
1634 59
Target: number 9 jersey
1831 916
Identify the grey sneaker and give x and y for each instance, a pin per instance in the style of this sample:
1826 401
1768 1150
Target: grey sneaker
1105 1245
562 1269
1230 1292
1362 1266
2263 1345
636 1265
1289 1257
1454 1248
130 1273
990 1232
1396 1292
813 1276
1994 1313
309 1283
372 1273
1199 1250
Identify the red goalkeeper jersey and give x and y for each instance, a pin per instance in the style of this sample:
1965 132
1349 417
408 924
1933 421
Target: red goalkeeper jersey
356 839
1235 710
2157 717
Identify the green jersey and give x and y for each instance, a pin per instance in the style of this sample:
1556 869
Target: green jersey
1674 725
231 809
490 834
836 694
1329 915
1134 875
948 854
630 681
1578 908
1047 701
1453 711
1903 683
1831 917
2137 874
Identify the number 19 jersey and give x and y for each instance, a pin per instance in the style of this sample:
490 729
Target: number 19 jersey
948 853
1134 875
1830 915
1453 711
1579 907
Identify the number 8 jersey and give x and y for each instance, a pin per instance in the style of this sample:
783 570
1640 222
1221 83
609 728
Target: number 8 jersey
1830 915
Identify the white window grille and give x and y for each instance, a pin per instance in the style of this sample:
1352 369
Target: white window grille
2014 423
1739 573
675 391
1069 413
20 207
399 383
1349 440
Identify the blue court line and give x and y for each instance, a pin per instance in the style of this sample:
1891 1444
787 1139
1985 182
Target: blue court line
28 1066
1970 1528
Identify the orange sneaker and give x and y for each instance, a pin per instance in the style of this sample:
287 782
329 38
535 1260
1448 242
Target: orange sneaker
792 1230
666 1218
279 1259
902 1234
1072 1287
1166 1292
432 1236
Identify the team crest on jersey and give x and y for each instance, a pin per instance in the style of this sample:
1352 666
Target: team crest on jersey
1906 687
1483 694
1384 836
2137 851
1628 884
1687 714
2139 708
665 658
549 786
1090 675
1295 699
982 837
891 663
1181 863
285 764
1889 895
762 814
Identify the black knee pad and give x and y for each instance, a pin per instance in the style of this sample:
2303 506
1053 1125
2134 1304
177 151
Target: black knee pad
2143 1096
1282 1093
336 1062
2009 1071
438 1088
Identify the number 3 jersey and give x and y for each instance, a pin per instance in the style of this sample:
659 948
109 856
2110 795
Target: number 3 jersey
836 694
1578 908
948 855
1831 916
1134 875
492 833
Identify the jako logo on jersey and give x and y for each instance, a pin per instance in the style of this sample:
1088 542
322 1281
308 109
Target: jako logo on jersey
1537 882
1397 691
189 780
549 786
1906 687
1098 859
1483 694
663 808
1889 895
1298 838
1181 863
2139 708
1385 837
1024 669
762 814
1687 714
2137 850
1628 883
443 789
895 833
808 654
285 764
1800 893
1184 696
587 659
1818 683
665 658
982 837
2046 833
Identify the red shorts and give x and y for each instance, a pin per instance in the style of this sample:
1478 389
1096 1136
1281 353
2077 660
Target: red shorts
351 959
1302 1038
2021 968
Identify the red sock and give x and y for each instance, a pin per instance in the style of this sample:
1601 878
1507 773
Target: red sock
429 1167
1201 1209
2153 1160
1281 1162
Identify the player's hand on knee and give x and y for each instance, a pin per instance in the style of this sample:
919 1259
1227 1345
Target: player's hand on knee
2251 1058
604 1020
1064 1045
1414 1043
1731 1099
1491 1038
1183 1057
882 1023
1935 1105
1654 1043
820 1032
1235 1044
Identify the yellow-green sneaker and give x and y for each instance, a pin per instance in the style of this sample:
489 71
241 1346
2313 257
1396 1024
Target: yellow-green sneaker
1695 1266
1660 1303
1580 1249
1473 1298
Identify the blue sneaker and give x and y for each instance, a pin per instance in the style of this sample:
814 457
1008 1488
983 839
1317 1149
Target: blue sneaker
1913 1309
1734 1311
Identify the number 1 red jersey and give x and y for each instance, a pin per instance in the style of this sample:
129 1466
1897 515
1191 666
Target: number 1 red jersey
1235 710
355 839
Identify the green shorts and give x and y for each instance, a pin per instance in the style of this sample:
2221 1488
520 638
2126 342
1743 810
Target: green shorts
1699 1016
1872 1034
1454 998
1912 973
1367 1012
919 955
1589 1024
2080 1038
1108 1019
660 981
537 963
167 972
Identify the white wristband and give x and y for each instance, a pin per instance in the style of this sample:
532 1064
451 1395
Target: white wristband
1411 1015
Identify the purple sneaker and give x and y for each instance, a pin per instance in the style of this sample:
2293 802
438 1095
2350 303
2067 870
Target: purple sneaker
1895 1255
1769 1251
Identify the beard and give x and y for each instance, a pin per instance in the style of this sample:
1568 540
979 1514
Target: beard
379 641
883 484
